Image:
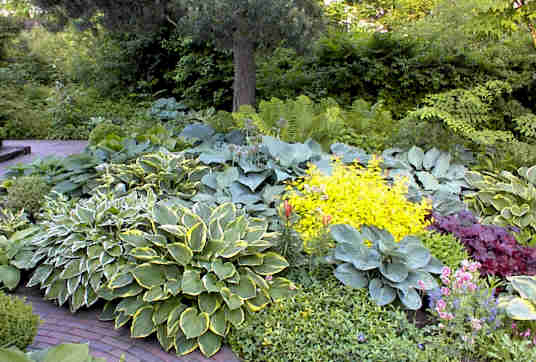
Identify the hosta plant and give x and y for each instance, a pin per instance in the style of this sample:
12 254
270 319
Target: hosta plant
64 352
166 173
505 199
79 249
522 307
371 258
16 253
192 273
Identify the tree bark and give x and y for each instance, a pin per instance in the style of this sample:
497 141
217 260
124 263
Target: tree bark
245 77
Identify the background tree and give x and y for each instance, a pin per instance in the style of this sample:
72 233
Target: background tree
245 26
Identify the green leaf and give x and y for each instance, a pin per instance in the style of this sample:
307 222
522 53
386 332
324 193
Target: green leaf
359 255
273 263
164 309
144 253
196 237
525 286
13 355
191 283
40 274
223 270
395 272
163 215
67 352
155 294
442 165
71 270
416 157
10 276
232 300
282 288
181 253
381 293
194 324
142 323
343 233
236 317
350 276
174 318
251 260
209 302
430 158
165 340
120 280
410 298
149 275
246 288
260 301
218 323
211 283
209 343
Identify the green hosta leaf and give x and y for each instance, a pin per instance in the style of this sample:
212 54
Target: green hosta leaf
253 180
13 355
410 298
211 283
130 305
282 288
194 324
251 260
417 257
520 309
161 314
10 276
428 181
149 275
67 352
246 288
142 323
430 158
236 317
120 280
136 238
71 270
163 338
163 215
271 194
209 302
173 286
218 323
191 283
175 230
442 165
196 237
155 294
260 301
232 248
360 256
209 343
108 311
343 233
381 293
524 285
232 300
350 276
145 254
78 299
273 263
40 274
520 210
184 346
416 157
260 282
174 318
181 253
223 270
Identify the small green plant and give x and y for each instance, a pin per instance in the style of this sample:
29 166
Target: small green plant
15 253
63 352
371 259
508 349
103 130
19 324
445 247
27 192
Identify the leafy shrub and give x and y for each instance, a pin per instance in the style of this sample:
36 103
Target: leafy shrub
74 352
103 130
16 252
493 246
28 193
19 324
445 247
356 196
212 264
506 199
166 109
327 321
371 259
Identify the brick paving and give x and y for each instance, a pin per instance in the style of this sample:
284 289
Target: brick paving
60 326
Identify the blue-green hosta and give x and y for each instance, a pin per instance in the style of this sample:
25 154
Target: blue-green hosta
78 248
371 258
505 199
522 307
191 273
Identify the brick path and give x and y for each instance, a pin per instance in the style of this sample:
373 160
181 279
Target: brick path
60 326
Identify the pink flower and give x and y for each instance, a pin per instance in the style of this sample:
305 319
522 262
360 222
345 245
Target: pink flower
445 291
449 316
443 315
471 286
268 277
514 326
445 271
440 305
421 284
445 280
527 333
475 324
474 267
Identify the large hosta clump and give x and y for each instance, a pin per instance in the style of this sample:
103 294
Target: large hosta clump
371 258
191 273
78 248
506 199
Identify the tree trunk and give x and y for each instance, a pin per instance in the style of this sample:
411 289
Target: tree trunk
245 77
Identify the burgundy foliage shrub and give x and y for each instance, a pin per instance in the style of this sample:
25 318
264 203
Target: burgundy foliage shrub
493 246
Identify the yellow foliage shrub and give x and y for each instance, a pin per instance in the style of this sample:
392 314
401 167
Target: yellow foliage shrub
356 196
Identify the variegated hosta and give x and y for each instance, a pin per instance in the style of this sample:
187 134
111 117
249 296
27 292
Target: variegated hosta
78 248
505 199
523 307
190 278
166 173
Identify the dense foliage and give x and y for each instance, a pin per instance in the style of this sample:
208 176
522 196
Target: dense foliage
19 324
71 351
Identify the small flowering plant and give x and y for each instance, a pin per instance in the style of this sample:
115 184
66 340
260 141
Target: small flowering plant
465 308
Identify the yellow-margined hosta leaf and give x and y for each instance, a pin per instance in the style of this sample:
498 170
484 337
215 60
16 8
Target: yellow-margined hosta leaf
181 253
209 302
282 288
223 270
174 318
259 281
227 210
257 246
194 324
130 305
189 219
233 248
120 280
164 309
251 260
273 263
178 231
191 283
260 301
525 286
135 238
164 215
155 294
165 340
209 343
246 288
215 230
108 311
196 237
184 346
218 323
232 300
127 291
173 286
211 283
149 275
236 317
145 254
71 269
142 323
121 319
521 309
